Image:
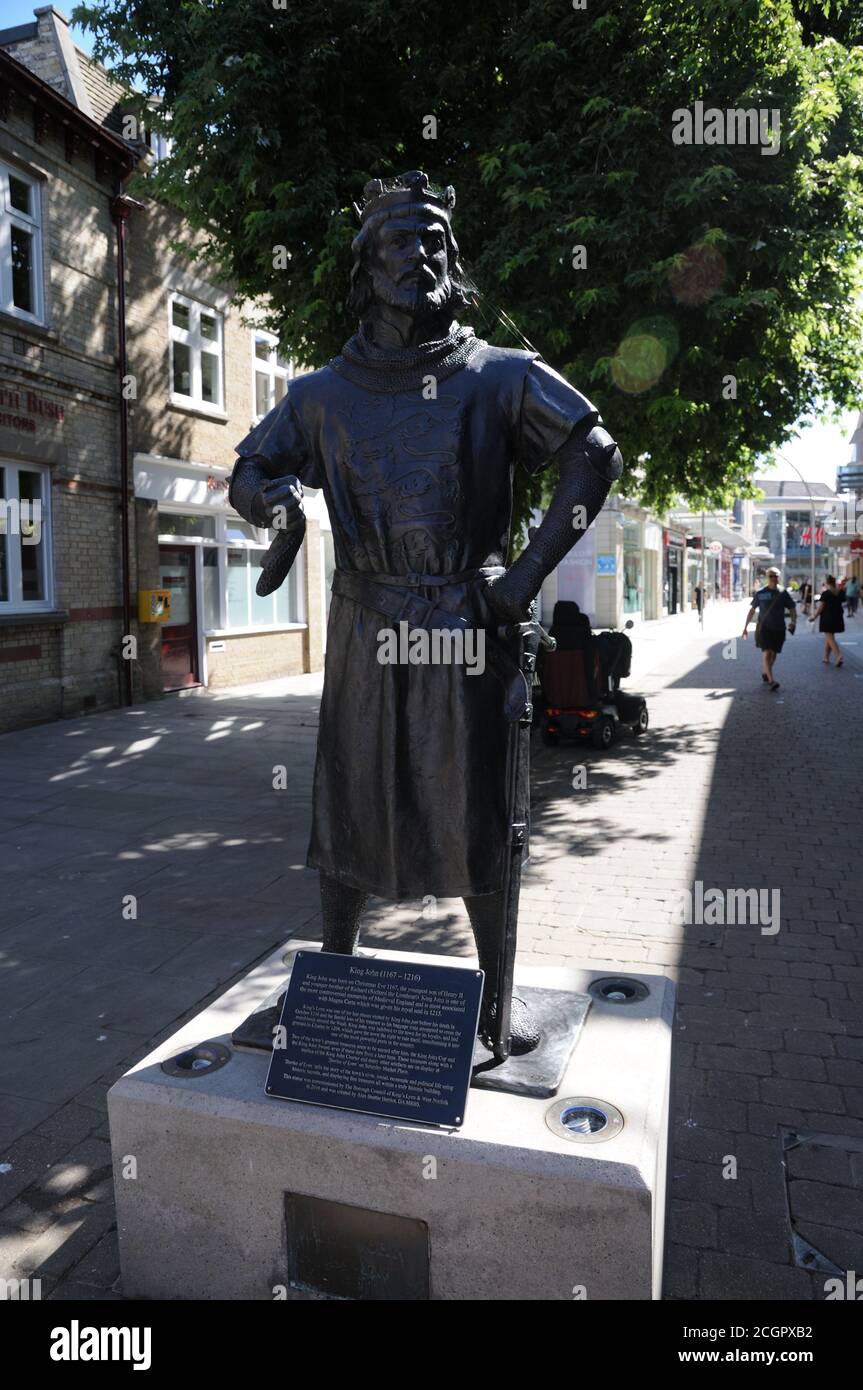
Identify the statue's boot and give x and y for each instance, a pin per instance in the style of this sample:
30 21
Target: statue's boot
524 1033
342 907
487 918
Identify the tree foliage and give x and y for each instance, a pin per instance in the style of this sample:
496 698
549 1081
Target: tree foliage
703 262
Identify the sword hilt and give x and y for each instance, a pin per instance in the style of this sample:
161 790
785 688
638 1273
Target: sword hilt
532 628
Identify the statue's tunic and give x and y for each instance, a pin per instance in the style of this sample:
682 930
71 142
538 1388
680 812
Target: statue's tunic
409 788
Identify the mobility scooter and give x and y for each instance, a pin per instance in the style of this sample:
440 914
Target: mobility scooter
580 679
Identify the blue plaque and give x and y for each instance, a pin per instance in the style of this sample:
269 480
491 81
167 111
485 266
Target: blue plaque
606 564
386 1037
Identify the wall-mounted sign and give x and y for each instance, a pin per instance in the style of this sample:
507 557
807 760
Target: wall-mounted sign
154 606
606 564
715 547
179 483
652 536
21 409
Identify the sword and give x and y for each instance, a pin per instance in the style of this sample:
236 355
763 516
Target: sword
524 641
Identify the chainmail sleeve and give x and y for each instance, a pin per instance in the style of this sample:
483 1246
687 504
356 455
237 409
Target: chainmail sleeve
275 448
247 479
590 462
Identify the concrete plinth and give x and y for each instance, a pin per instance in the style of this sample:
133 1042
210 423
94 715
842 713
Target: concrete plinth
212 1177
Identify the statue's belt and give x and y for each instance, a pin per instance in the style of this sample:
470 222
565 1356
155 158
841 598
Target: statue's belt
394 597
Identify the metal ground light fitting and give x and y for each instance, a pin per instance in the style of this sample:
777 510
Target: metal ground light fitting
584 1119
196 1061
618 989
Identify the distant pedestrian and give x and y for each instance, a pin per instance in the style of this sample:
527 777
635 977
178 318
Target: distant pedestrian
806 597
769 606
852 595
698 598
829 611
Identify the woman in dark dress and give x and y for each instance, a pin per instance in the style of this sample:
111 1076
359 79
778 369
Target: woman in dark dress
829 611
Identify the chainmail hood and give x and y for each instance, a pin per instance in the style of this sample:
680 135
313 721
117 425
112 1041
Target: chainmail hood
404 369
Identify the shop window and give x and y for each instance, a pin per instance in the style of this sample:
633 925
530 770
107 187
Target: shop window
25 559
20 245
245 607
270 372
232 553
187 524
196 354
288 599
238 588
212 614
236 530
632 575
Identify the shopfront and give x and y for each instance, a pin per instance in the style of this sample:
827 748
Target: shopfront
696 579
651 570
575 574
632 565
674 571
220 630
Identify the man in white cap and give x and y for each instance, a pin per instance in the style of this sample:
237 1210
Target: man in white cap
769 606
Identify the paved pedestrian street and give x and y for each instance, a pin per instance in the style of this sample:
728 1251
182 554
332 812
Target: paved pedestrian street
148 861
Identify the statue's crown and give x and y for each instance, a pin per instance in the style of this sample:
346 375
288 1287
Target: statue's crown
408 191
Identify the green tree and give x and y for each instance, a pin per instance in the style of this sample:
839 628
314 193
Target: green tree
718 296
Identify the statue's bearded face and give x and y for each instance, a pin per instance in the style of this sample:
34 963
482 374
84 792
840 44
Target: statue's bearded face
408 264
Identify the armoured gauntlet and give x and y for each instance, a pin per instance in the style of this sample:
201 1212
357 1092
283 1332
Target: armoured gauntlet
266 501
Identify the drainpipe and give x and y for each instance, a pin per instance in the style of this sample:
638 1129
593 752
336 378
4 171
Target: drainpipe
121 206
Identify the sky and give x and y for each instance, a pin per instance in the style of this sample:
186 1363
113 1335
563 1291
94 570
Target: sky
14 12
817 452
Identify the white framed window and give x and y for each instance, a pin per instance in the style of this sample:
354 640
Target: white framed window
26 581
232 553
20 244
270 373
197 338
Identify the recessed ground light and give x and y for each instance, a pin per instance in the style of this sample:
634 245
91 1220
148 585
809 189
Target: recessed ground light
197 1061
618 989
584 1119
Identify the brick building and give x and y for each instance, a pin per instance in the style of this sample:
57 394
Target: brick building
203 375
197 374
61 581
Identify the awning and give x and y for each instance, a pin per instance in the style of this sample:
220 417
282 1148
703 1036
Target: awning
714 530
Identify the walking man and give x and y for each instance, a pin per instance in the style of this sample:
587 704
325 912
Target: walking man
768 607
